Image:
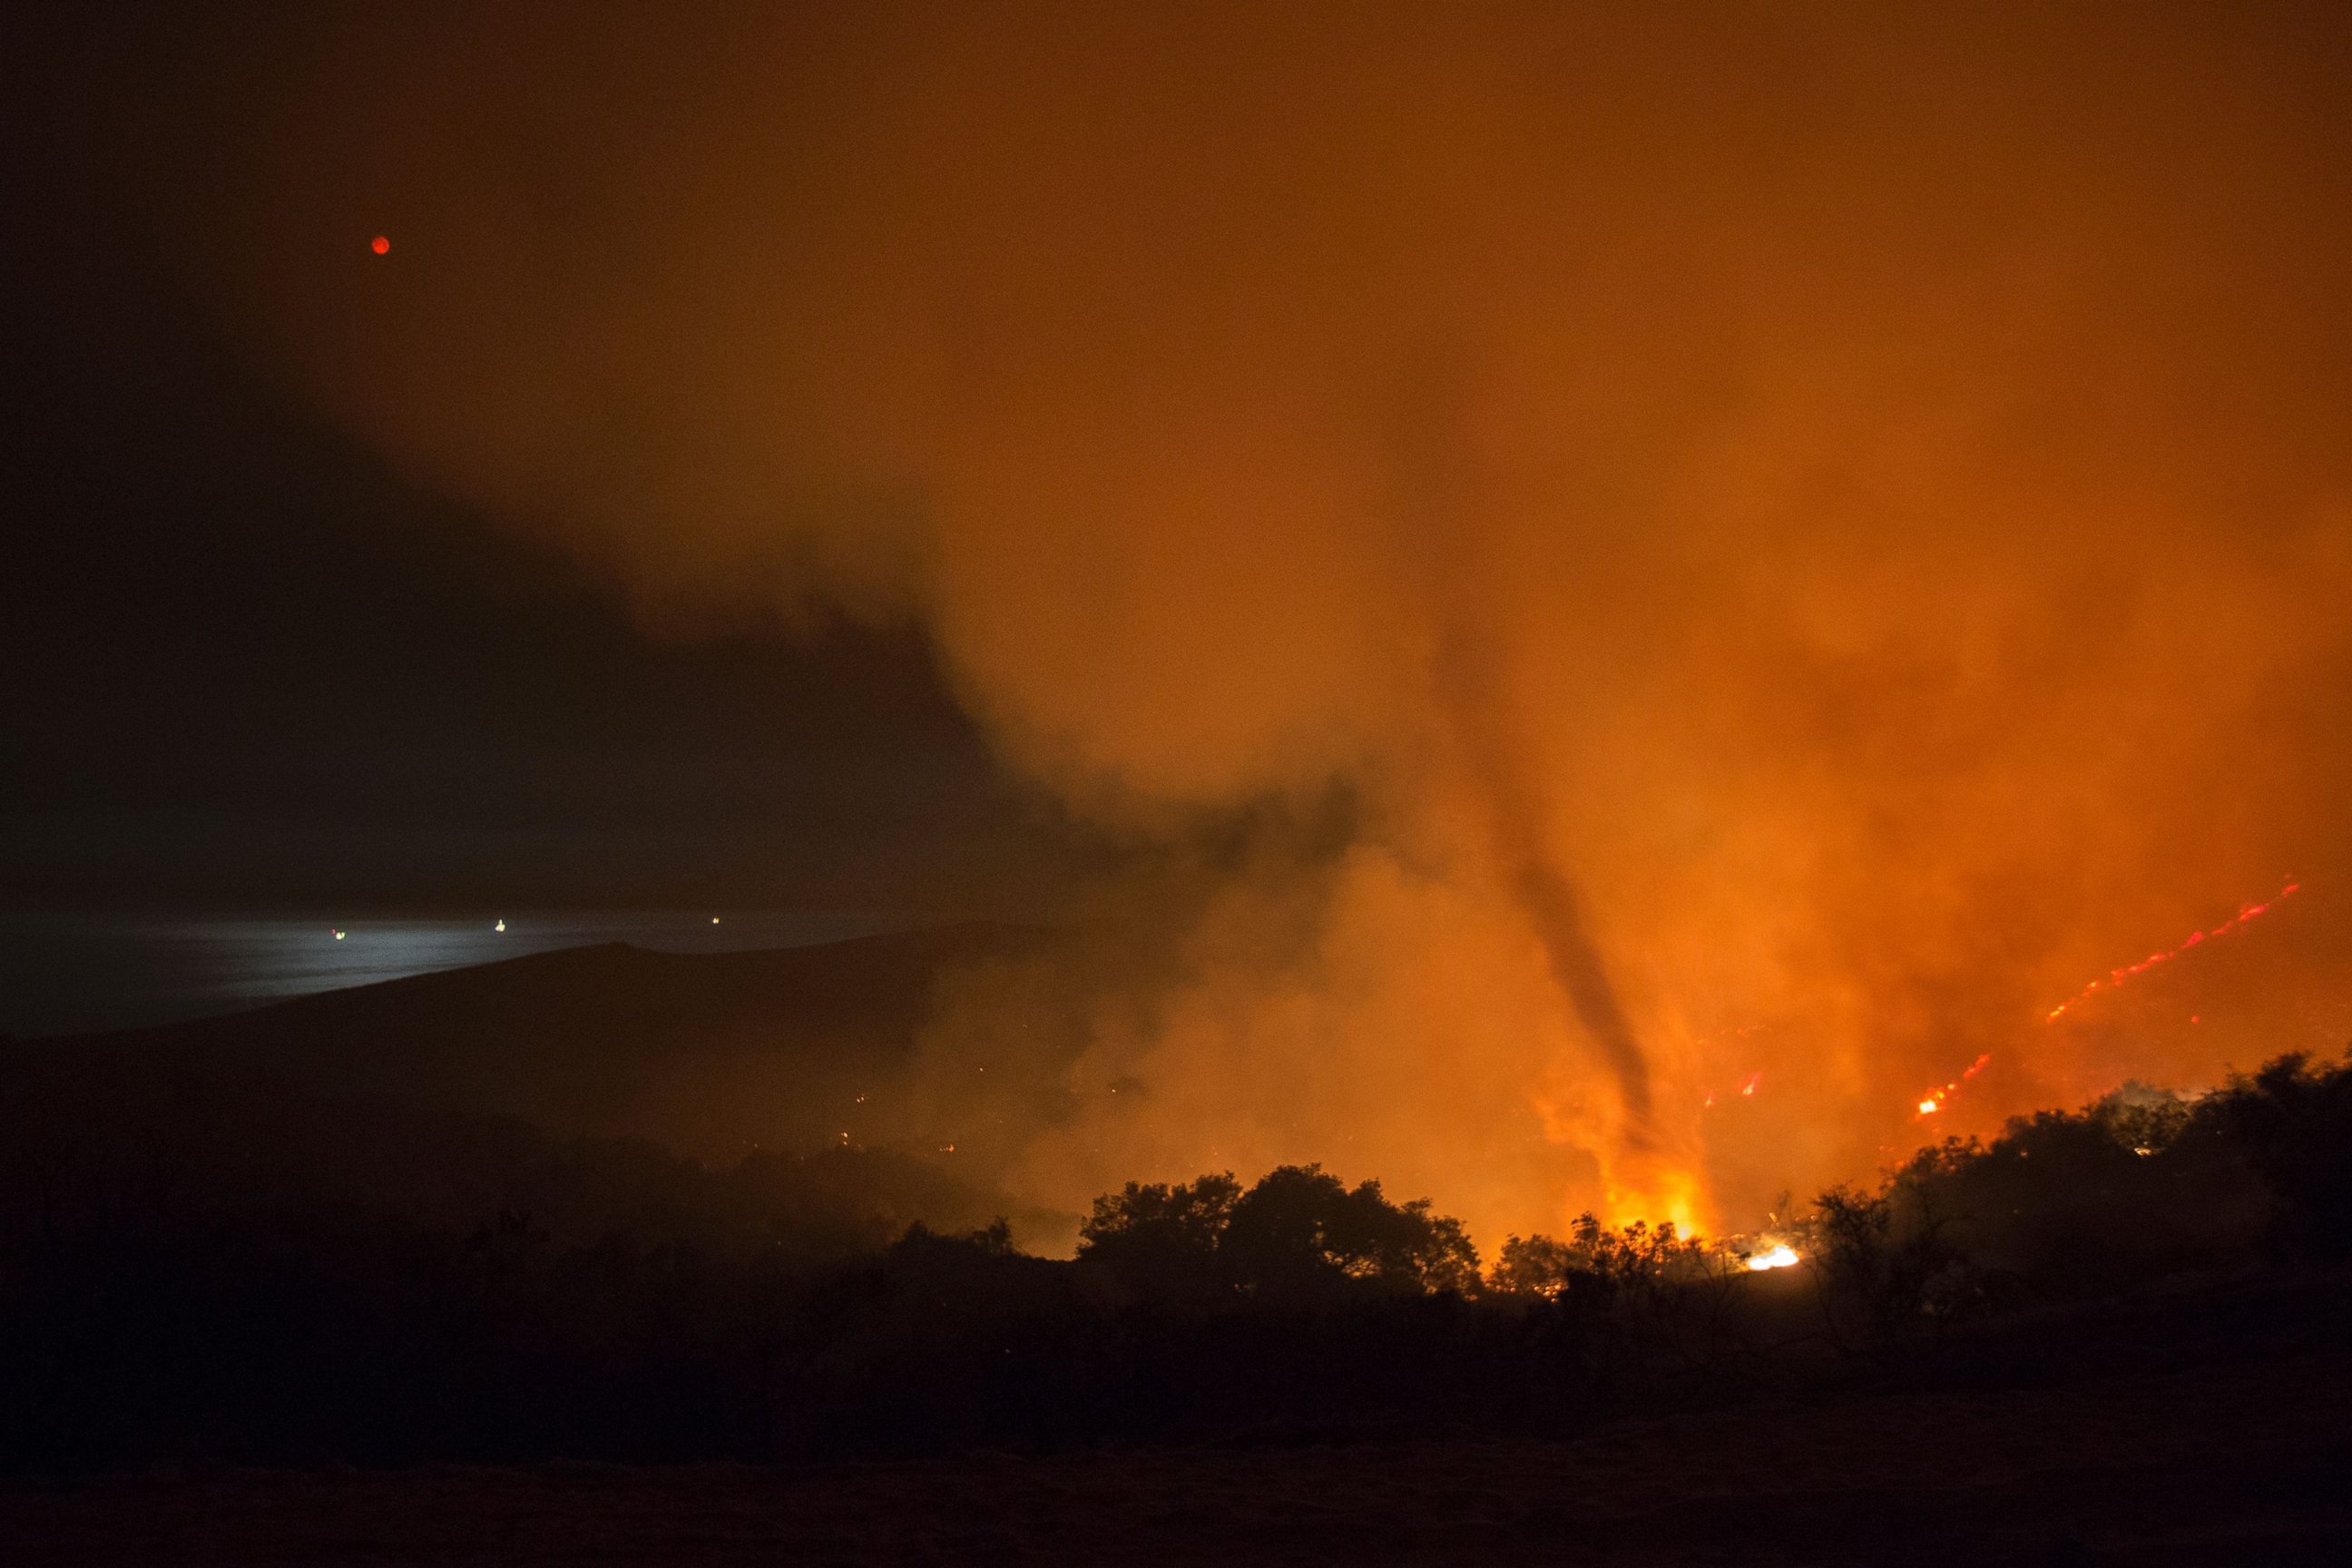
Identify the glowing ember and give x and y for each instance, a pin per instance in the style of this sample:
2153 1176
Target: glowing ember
1780 1256
2115 977
1933 1101
1747 1088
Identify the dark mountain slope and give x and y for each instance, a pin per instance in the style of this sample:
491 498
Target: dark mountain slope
708 1053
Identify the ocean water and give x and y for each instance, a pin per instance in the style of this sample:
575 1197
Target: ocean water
68 974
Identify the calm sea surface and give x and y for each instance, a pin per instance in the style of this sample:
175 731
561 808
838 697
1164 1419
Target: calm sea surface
66 975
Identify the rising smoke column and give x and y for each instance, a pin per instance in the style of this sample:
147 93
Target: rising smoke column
1638 1177
1515 818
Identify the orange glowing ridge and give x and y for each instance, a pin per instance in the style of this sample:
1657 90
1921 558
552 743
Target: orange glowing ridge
2116 977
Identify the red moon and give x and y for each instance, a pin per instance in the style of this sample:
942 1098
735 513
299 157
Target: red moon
380 245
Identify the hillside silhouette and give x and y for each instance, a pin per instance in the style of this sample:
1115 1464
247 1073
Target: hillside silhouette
707 1053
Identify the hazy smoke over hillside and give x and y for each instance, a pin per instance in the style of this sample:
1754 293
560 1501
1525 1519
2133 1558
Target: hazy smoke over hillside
1803 538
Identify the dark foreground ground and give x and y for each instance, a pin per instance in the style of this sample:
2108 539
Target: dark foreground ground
2167 1433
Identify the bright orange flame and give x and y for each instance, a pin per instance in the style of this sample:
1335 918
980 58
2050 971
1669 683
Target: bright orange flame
1935 1097
1780 1256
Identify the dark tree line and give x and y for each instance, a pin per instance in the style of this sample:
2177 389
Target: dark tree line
225 1271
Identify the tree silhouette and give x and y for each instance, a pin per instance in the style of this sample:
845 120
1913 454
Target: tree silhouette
1300 1230
1161 1239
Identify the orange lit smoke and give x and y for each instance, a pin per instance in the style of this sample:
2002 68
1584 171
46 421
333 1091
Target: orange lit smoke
1809 522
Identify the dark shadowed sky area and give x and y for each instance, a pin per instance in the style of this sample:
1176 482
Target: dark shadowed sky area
247 666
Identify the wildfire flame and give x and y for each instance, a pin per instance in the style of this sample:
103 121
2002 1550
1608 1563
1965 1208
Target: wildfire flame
1780 1256
2117 977
1933 1101
1747 1088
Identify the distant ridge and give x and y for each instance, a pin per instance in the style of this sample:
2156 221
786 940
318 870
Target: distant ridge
705 1052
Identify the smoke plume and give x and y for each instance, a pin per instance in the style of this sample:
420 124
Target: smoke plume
1875 558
